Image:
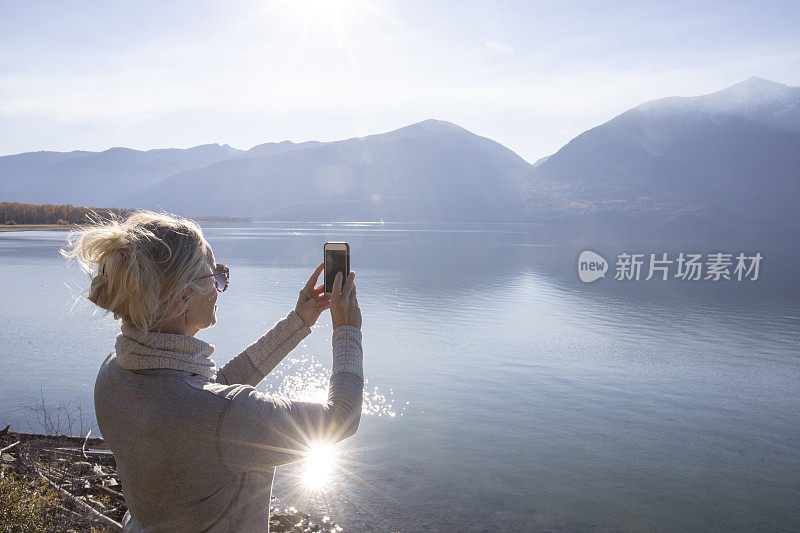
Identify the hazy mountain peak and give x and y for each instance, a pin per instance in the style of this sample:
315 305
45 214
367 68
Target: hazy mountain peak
756 99
214 147
430 126
432 122
207 145
754 89
279 147
757 83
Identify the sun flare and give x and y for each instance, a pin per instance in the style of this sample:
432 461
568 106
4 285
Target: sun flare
323 8
322 20
319 464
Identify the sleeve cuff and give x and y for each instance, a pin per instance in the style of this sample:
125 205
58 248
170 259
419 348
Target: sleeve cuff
347 351
297 322
274 345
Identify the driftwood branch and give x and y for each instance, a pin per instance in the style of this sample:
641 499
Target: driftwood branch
71 513
87 454
83 448
111 492
4 450
91 442
70 465
103 457
115 526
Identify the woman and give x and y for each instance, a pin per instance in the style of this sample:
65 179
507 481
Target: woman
196 446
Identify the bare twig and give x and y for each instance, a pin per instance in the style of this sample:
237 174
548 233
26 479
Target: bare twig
116 526
4 450
71 513
61 418
83 448
111 492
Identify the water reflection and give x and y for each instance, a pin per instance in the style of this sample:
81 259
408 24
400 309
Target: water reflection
534 398
306 379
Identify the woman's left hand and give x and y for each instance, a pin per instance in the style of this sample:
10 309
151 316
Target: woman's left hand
313 300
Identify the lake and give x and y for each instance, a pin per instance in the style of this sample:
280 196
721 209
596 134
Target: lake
502 392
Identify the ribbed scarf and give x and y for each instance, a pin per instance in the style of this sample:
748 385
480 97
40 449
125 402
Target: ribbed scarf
146 350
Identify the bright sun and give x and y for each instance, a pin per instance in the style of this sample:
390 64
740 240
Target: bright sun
321 18
323 7
319 464
320 14
320 23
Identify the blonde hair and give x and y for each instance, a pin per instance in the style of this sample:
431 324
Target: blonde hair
144 264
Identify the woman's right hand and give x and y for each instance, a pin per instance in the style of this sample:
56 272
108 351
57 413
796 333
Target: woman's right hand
344 304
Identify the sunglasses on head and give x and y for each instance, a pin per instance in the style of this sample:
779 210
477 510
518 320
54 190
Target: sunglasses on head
221 277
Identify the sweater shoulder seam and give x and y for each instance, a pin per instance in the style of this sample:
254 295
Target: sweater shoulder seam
220 421
217 434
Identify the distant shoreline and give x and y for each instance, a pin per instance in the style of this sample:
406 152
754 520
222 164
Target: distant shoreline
549 224
67 227
27 227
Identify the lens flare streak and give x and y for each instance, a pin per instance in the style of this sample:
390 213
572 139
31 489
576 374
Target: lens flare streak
306 379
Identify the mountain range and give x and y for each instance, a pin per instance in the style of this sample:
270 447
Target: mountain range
732 156
430 171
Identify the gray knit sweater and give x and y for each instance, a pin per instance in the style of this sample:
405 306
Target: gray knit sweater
196 447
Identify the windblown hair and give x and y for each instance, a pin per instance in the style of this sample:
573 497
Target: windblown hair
144 264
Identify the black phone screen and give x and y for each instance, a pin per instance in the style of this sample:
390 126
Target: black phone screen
335 261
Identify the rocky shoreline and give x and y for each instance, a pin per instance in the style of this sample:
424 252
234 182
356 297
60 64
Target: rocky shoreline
73 485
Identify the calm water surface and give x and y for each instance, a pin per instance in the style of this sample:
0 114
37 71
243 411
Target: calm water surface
502 392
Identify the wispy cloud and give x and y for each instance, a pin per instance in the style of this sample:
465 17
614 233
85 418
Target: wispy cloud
500 48
520 73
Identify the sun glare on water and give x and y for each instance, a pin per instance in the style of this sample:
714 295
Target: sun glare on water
319 465
305 379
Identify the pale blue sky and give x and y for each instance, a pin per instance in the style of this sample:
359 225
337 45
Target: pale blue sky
530 75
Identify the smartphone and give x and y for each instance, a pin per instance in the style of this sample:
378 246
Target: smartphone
337 259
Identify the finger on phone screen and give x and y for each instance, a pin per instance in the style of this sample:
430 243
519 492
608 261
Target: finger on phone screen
314 276
348 285
337 285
